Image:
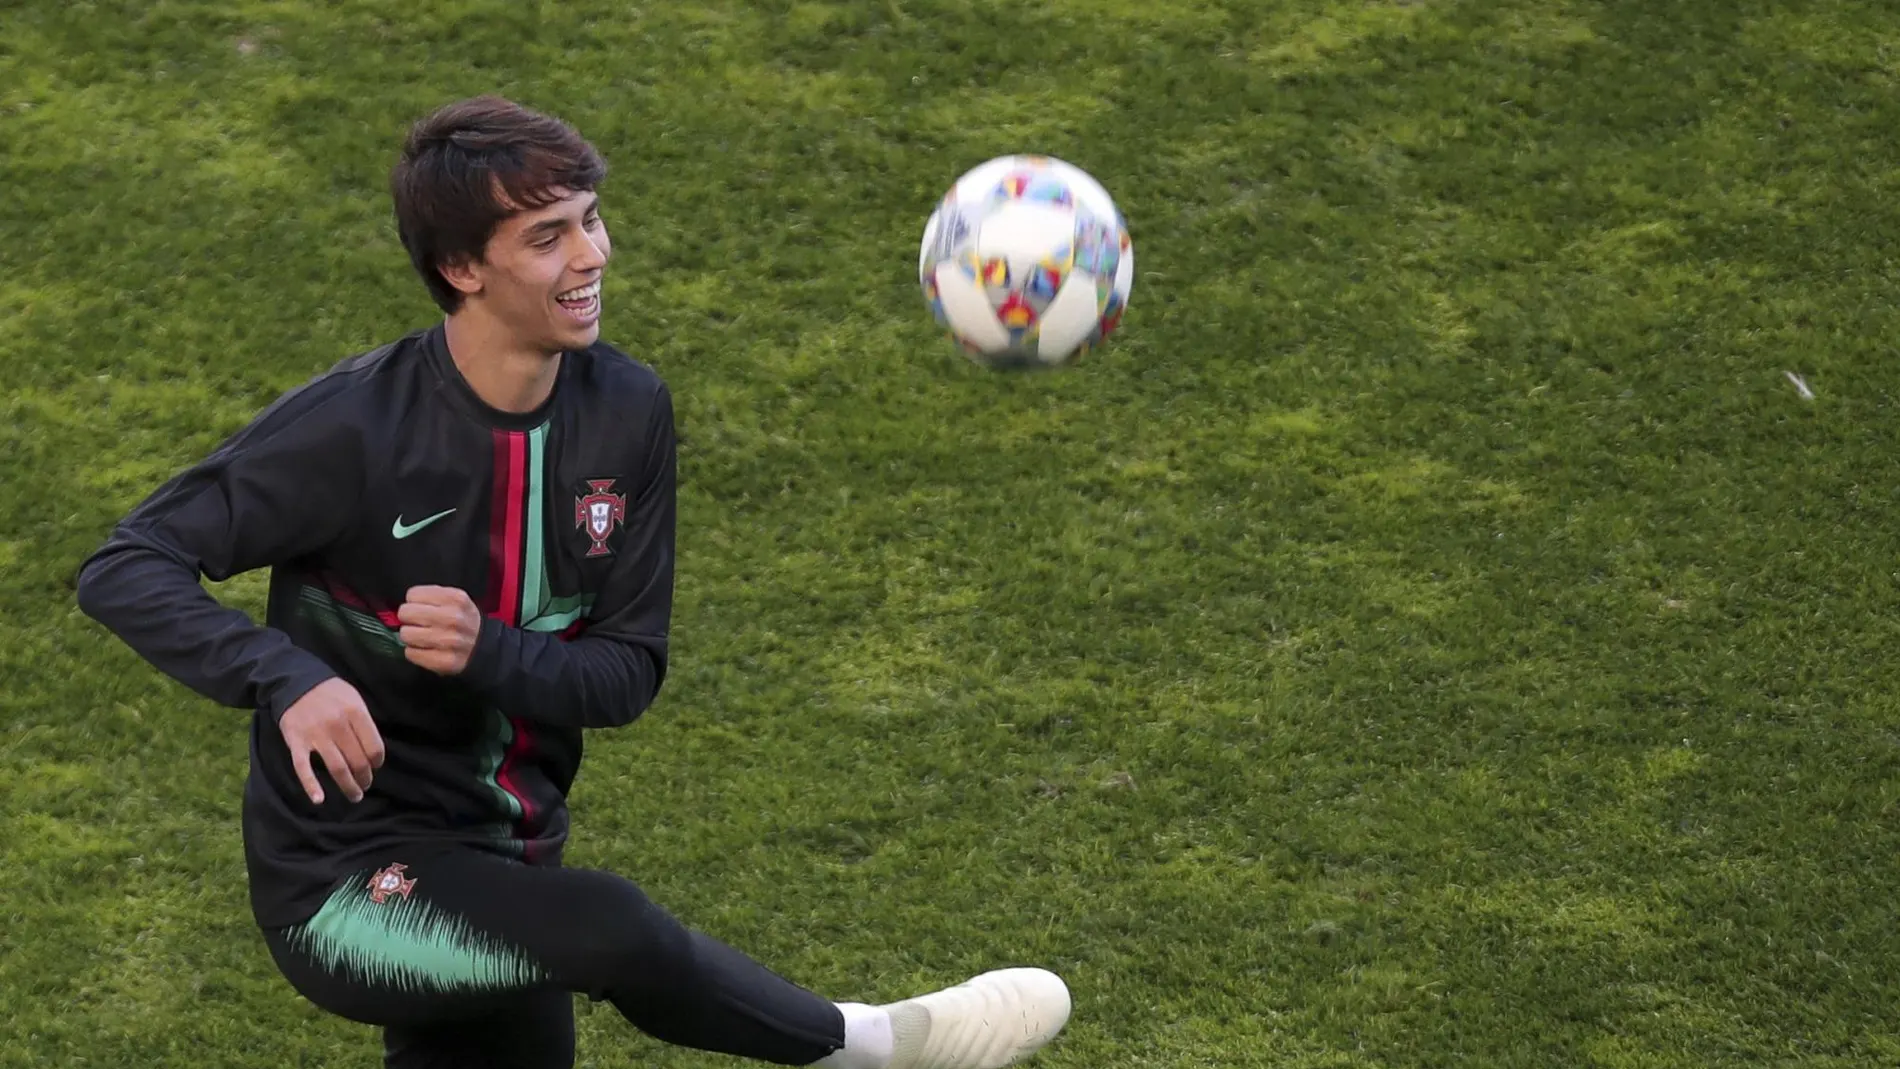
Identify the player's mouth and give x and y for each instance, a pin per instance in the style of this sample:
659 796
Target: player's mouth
583 304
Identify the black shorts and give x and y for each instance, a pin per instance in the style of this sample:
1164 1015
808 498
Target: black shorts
467 959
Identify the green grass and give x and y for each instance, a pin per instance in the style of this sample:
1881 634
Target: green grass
1436 632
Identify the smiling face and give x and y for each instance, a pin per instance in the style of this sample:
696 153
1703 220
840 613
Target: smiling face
539 275
495 205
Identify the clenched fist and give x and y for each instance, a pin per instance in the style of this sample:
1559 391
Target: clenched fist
439 628
332 722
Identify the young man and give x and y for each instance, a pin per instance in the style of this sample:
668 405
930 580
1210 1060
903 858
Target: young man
470 533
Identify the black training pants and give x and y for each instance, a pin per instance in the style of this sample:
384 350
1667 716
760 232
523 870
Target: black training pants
468 959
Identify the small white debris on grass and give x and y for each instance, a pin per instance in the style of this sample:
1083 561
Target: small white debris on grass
1800 386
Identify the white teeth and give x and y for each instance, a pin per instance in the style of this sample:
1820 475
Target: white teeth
581 294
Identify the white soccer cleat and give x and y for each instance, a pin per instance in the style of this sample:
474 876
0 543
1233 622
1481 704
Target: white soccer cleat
987 1022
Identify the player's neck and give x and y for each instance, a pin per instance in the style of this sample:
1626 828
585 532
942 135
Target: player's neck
505 374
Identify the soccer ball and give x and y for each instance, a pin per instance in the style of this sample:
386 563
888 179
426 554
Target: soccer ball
1026 262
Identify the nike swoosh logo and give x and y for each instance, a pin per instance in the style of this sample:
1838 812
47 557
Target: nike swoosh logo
401 530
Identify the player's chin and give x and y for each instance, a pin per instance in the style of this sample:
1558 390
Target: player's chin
583 337
577 331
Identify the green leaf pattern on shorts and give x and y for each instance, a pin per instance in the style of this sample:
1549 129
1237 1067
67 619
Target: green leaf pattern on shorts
409 944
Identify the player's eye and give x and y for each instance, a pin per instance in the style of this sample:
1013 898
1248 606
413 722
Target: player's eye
547 242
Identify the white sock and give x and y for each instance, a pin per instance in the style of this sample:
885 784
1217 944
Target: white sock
868 1043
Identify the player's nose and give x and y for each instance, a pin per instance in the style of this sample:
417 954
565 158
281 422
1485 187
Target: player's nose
591 255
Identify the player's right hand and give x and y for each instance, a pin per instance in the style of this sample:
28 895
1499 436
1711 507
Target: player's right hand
332 722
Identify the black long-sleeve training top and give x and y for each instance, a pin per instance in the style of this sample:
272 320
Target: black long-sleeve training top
382 474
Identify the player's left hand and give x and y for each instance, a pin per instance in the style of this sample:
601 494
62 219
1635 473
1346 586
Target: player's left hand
439 628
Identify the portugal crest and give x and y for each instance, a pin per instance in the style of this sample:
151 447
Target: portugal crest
388 882
597 511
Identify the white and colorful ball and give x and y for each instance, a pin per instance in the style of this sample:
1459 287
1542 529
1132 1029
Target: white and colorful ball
1027 262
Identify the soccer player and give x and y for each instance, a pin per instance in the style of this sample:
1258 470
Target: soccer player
470 532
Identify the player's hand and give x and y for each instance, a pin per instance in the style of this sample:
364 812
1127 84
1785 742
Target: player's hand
439 627
332 722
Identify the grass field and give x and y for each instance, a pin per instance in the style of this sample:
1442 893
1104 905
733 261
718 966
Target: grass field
1437 631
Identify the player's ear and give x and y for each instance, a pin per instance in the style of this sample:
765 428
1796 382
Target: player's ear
461 273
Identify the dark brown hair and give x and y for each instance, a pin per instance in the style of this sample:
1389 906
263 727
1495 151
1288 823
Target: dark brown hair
470 165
